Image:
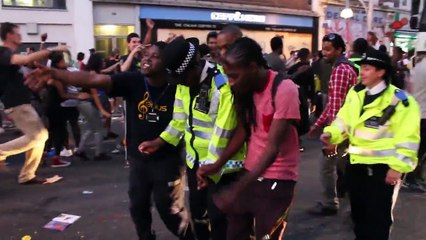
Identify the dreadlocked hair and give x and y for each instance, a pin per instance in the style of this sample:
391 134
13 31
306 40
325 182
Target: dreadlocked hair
245 51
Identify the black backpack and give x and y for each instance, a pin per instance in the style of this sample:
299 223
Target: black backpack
304 125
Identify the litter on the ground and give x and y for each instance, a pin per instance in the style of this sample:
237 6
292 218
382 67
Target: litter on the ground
61 222
53 179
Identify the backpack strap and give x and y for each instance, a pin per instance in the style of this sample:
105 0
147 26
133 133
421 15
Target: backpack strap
277 81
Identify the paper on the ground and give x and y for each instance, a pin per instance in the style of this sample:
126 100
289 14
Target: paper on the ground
61 222
53 179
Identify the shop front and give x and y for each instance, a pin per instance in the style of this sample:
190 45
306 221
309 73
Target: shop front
355 27
298 31
404 36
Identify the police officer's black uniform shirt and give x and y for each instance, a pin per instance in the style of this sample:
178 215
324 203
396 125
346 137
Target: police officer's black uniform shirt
131 86
13 92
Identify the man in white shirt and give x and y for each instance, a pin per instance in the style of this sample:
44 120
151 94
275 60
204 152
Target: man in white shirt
414 179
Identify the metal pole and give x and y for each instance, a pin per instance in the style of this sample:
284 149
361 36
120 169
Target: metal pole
370 15
369 10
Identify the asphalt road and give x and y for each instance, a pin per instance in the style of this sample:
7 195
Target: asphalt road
24 210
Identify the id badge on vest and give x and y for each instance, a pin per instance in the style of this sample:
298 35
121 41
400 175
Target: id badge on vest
372 122
152 117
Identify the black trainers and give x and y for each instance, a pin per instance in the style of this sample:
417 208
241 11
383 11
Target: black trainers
111 135
102 157
81 155
321 210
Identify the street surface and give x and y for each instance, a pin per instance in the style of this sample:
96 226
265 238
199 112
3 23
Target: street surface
24 210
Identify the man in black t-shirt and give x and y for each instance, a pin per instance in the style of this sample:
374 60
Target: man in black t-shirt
305 79
150 102
17 101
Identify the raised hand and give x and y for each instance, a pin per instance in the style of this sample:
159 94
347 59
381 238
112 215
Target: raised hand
38 78
150 24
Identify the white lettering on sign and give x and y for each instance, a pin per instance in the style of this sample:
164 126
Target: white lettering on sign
237 17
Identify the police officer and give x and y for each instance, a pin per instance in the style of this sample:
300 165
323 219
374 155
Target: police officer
382 124
205 117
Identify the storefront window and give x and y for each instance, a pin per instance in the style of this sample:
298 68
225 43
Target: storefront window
54 4
112 37
406 41
113 30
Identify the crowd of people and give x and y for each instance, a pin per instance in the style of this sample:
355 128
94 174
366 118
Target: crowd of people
227 120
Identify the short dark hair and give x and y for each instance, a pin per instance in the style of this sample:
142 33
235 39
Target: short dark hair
95 63
80 56
160 44
383 48
204 50
211 35
411 52
56 58
336 40
232 30
360 46
303 53
276 43
399 50
132 35
6 28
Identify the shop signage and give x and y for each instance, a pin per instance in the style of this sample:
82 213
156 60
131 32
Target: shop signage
223 16
354 27
237 17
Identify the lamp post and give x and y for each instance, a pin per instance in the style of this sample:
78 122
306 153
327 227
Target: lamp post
369 9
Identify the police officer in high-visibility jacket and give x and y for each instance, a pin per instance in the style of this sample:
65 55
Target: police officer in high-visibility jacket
204 115
382 124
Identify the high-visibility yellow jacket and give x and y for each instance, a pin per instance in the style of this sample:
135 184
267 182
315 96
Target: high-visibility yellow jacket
395 143
354 60
206 134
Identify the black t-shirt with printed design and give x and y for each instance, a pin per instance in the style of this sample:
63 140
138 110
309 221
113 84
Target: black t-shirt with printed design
132 87
13 92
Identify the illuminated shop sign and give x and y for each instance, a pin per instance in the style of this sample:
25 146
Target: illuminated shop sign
237 17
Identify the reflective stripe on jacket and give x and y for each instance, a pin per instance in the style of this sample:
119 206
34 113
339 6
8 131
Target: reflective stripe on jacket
395 143
211 132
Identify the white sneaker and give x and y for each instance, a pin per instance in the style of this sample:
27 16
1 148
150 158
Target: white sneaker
2 130
66 153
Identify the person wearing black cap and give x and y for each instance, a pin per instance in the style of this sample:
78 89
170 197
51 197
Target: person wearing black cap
342 78
150 102
382 125
204 114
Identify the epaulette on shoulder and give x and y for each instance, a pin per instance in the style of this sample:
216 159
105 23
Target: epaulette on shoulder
402 96
359 87
219 79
